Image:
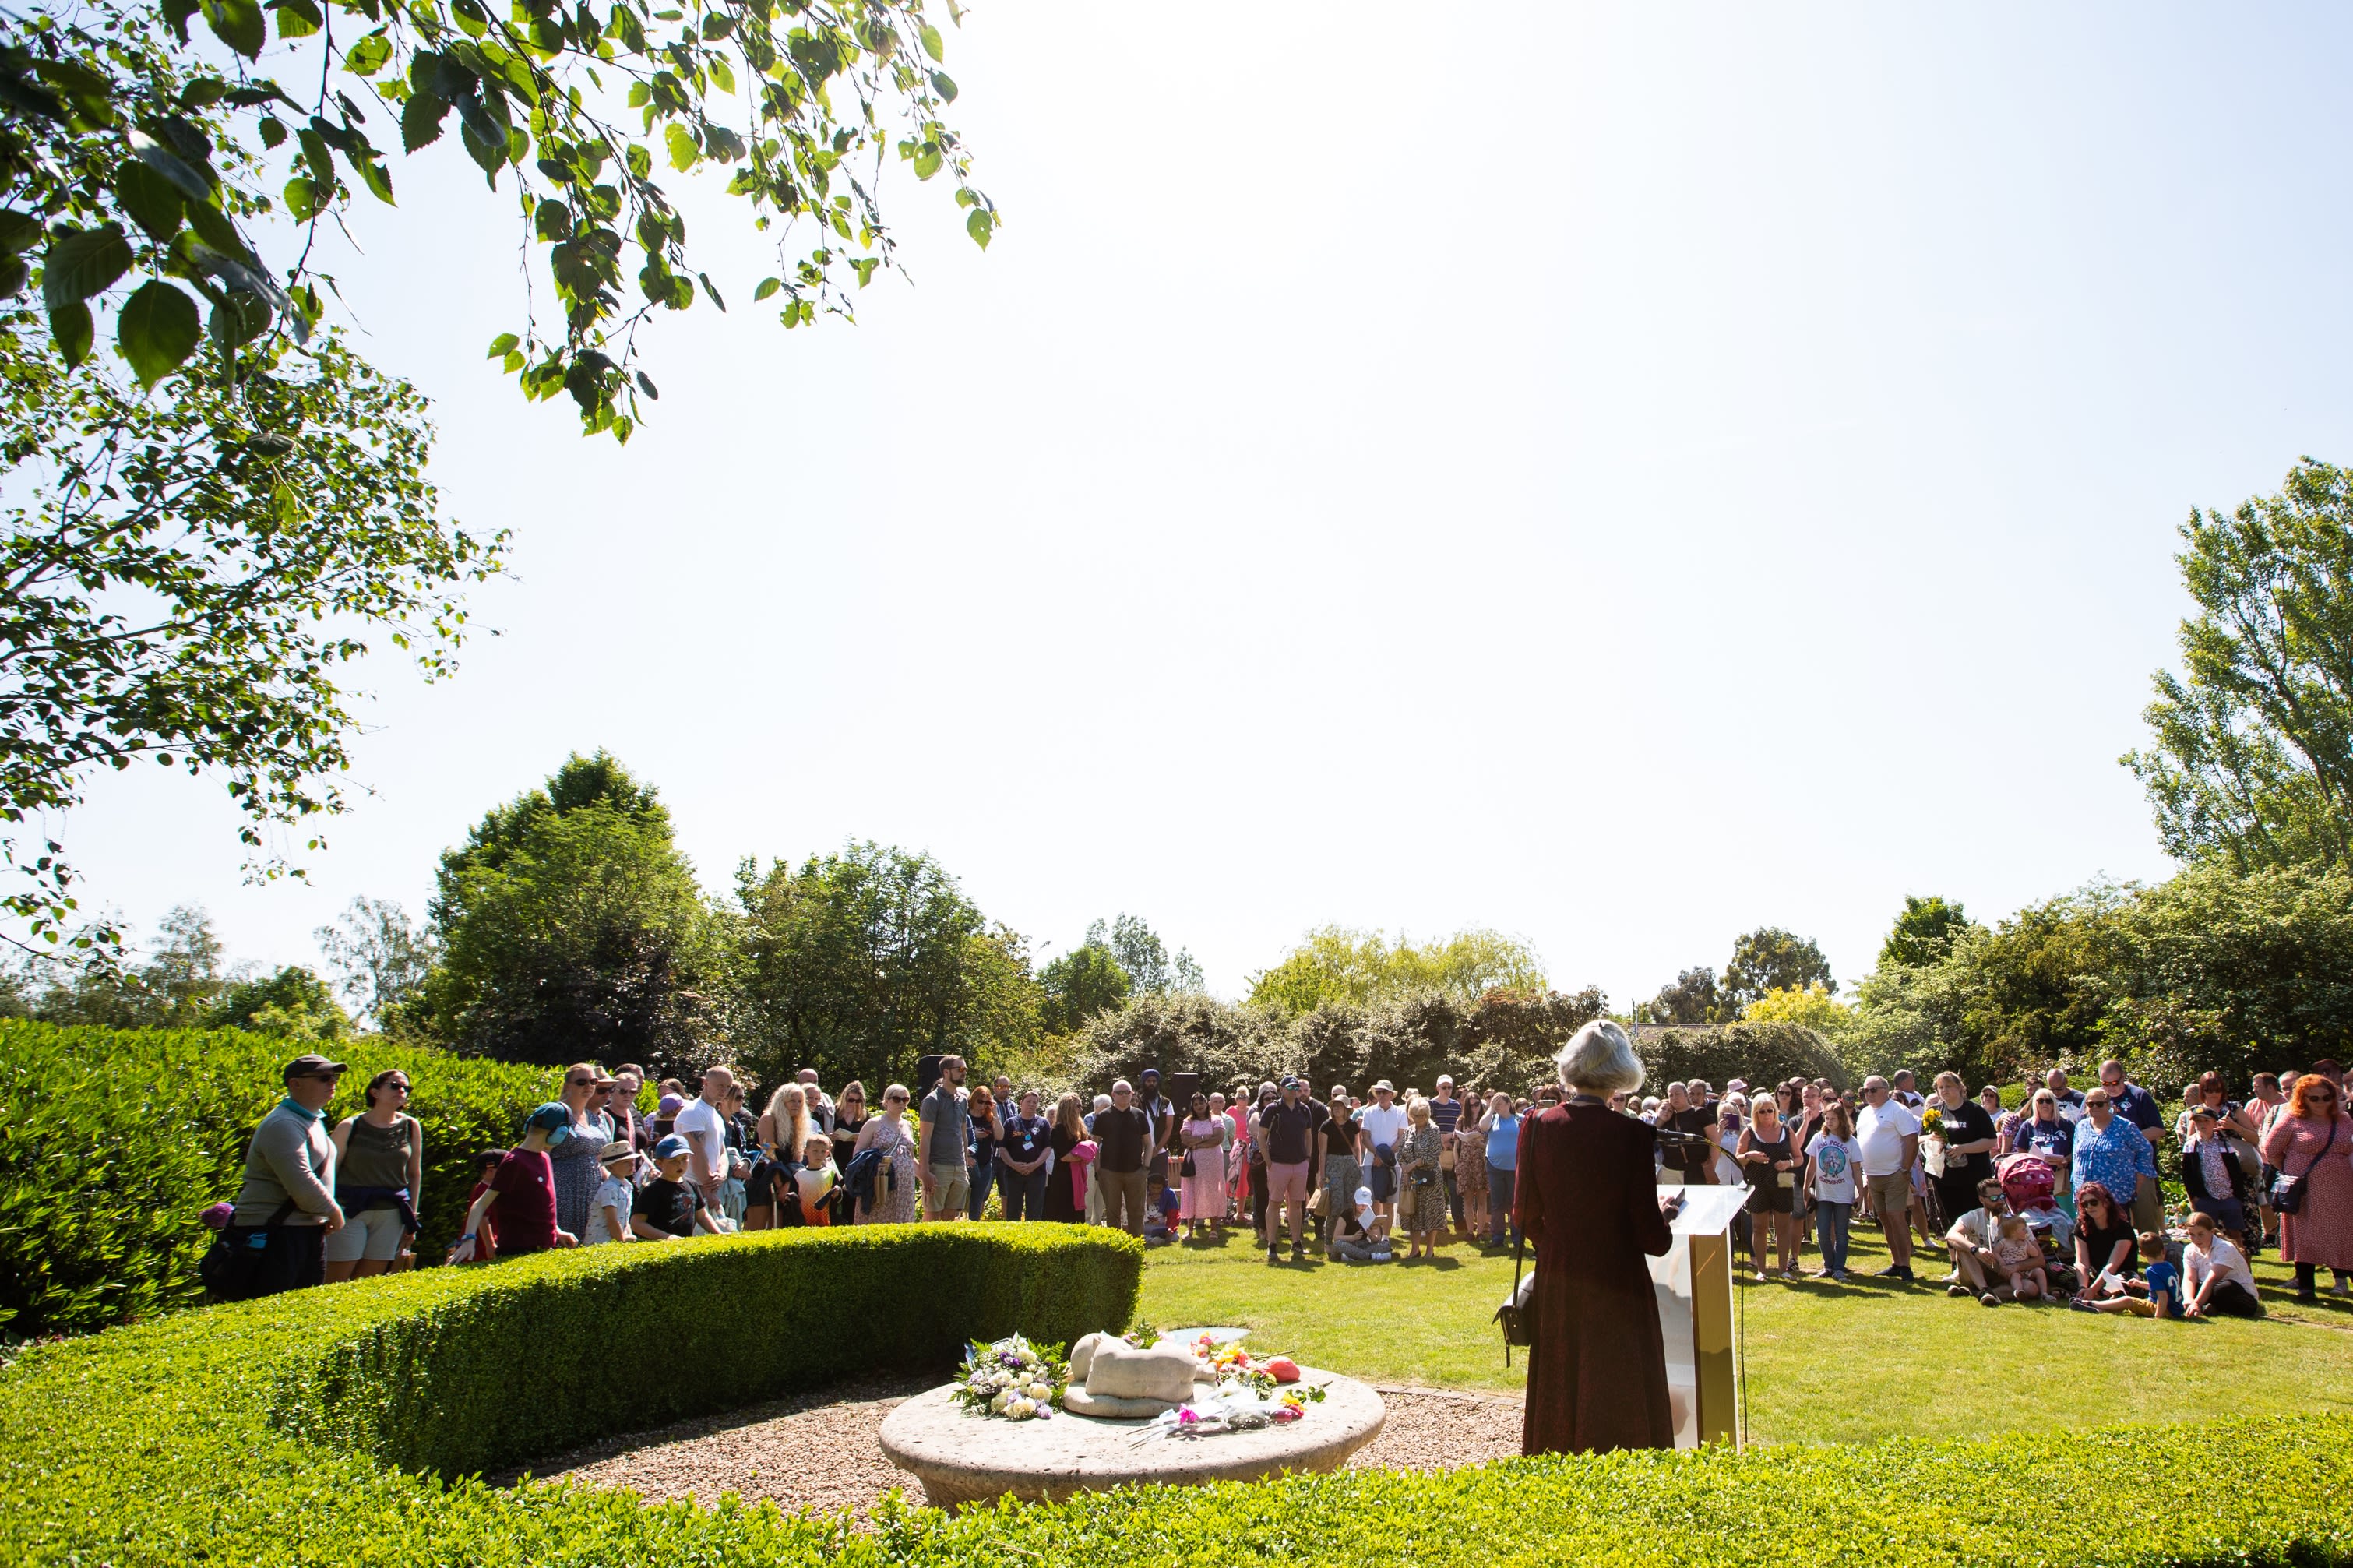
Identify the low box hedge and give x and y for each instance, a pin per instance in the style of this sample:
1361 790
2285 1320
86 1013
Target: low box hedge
326 1428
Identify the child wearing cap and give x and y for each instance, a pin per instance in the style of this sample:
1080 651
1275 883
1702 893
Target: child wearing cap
521 1194
670 1207
608 1212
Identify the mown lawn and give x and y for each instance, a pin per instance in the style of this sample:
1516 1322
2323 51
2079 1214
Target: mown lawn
1826 1364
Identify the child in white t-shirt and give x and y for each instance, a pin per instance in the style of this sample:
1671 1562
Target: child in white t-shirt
1833 1160
608 1211
2216 1275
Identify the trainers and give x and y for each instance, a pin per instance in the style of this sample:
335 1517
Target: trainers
1893 1271
1273 1255
1297 1253
1988 1300
1957 1289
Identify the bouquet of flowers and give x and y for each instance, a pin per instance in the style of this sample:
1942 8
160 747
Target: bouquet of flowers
1013 1379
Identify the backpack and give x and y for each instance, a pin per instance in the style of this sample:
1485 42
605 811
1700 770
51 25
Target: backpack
229 1266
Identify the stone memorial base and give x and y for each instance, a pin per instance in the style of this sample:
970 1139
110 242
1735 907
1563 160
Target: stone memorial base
964 1459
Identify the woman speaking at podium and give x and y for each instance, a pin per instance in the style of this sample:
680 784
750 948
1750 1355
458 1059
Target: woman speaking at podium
1589 1203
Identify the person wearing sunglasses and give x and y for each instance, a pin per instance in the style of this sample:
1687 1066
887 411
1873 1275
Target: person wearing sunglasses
2311 1145
577 1172
2111 1152
895 1187
379 1175
286 1210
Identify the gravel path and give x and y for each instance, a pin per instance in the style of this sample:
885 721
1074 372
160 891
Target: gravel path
820 1451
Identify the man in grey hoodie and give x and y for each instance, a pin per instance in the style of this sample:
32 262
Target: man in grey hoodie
287 1208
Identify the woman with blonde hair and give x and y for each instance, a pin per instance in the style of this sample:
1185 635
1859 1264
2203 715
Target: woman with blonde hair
1062 1200
1421 1193
895 1187
782 1134
572 1163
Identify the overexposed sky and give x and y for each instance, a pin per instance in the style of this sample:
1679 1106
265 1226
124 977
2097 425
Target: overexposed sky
1621 475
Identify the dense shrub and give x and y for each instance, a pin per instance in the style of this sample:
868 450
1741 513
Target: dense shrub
113 1141
1504 1038
253 1434
1759 1052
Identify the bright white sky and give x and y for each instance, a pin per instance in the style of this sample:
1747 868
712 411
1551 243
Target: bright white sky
1619 475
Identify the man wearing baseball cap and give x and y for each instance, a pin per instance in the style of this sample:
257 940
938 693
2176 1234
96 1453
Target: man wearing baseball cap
277 1235
521 1197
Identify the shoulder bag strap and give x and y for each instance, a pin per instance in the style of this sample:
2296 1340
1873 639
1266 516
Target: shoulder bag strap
2324 1150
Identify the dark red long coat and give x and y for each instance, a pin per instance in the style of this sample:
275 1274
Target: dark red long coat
1588 1201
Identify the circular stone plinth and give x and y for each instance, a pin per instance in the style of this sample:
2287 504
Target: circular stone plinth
962 1458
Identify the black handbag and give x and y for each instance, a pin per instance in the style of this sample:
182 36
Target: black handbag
1187 1167
2287 1192
1517 1314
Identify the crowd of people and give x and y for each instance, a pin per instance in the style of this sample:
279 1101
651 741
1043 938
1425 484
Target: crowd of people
2056 1198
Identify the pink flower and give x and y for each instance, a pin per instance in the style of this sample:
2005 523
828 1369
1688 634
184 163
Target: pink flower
1186 1416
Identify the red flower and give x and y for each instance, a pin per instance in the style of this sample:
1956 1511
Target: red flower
1284 1369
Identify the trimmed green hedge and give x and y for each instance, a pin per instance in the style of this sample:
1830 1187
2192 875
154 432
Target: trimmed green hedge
308 1427
113 1141
262 1432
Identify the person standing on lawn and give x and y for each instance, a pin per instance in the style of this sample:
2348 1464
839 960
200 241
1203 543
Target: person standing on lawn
1421 1192
287 1208
1288 1128
942 1145
1502 1126
1833 1159
1204 1183
1123 1139
2312 1144
2112 1151
1890 1136
1969 1148
1588 1200
2138 1106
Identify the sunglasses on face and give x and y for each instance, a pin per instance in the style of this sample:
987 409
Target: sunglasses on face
581 1083
894 1099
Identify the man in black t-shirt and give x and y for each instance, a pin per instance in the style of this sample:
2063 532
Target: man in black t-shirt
1289 1128
1124 1142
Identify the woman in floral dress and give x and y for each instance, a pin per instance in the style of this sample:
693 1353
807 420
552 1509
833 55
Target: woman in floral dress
894 1195
1471 1168
1421 1198
1204 1142
2312 1142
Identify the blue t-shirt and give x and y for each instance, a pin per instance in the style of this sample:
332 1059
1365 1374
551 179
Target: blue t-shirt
2054 1140
2164 1285
2138 1106
1504 1144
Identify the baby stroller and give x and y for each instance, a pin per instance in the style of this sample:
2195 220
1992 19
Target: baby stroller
2030 1185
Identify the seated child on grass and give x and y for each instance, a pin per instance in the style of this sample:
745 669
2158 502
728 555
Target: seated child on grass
2157 1292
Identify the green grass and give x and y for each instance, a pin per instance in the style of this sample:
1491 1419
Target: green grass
1824 1362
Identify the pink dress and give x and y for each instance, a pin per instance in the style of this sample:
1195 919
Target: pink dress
1205 1189
2321 1233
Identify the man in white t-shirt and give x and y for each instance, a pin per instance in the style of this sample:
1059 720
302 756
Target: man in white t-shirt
1382 1122
704 1127
1890 1136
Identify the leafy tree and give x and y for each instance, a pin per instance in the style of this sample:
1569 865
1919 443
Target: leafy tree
1339 967
2251 754
1694 999
1770 959
380 960
1077 985
294 1003
178 987
1138 951
577 932
1809 1007
856 963
189 575
1924 933
130 157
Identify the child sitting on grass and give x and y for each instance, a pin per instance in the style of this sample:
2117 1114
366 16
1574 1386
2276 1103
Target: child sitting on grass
2018 1259
2218 1274
2157 1294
